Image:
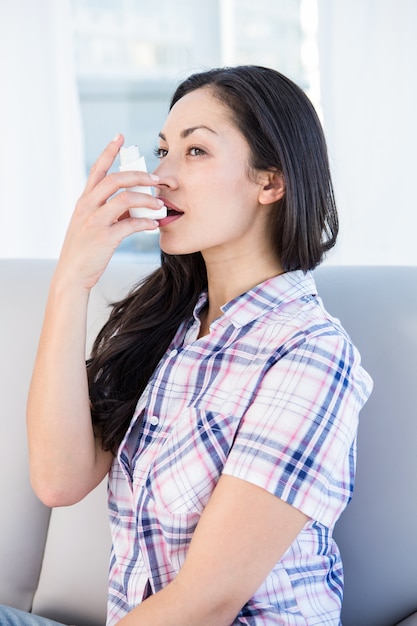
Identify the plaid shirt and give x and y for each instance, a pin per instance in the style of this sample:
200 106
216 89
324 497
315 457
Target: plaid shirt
271 396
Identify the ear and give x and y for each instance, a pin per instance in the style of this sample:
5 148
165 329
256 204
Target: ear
272 186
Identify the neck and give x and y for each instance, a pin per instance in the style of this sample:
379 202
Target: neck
229 279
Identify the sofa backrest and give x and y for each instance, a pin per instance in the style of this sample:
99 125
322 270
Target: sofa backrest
65 578
377 534
23 519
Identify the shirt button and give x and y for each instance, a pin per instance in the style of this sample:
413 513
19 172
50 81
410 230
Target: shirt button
154 420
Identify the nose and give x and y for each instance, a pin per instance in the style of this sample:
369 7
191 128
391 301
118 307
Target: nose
167 176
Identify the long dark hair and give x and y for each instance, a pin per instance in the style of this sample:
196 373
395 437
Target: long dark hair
284 134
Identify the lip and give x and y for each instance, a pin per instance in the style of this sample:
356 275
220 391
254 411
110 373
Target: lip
171 217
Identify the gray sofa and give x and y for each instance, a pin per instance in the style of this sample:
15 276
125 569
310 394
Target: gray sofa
55 562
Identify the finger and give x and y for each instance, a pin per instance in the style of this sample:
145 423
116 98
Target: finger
104 162
129 225
117 181
114 182
122 202
126 227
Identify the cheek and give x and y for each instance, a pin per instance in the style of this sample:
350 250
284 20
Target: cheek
221 191
232 184
241 196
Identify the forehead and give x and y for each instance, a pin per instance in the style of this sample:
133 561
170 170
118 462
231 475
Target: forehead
199 108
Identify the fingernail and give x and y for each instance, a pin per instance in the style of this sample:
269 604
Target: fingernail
117 137
160 202
154 177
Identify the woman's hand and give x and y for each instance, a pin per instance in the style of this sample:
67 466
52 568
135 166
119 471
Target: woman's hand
101 218
66 460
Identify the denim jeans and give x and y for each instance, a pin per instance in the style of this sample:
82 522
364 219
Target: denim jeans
14 617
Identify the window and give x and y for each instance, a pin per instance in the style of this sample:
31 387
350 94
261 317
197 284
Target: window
130 54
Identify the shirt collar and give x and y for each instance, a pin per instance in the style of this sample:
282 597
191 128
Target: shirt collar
266 296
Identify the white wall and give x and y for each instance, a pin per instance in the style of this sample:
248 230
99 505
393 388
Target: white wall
41 155
368 55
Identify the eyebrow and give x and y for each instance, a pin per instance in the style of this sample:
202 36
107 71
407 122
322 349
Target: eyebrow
188 131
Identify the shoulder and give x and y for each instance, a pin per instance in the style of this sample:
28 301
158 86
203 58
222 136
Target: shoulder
297 320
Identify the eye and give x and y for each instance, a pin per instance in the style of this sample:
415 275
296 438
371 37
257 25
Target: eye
194 151
160 152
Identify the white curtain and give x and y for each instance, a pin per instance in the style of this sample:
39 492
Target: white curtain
368 54
41 150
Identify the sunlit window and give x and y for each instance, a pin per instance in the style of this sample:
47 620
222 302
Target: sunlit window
130 54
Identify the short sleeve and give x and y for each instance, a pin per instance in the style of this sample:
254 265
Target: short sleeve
297 439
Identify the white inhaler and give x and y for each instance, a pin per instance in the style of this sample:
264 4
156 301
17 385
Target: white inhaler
130 160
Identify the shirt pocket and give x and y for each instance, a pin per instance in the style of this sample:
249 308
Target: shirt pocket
191 460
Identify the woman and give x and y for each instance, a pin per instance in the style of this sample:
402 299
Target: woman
221 397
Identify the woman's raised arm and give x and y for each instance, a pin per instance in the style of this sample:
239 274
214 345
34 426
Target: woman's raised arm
66 460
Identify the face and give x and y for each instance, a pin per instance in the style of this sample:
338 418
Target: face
205 181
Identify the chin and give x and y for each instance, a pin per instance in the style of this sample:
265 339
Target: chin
176 247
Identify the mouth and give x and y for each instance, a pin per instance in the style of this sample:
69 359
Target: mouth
173 213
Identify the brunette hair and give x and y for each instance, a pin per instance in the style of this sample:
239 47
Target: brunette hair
284 135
